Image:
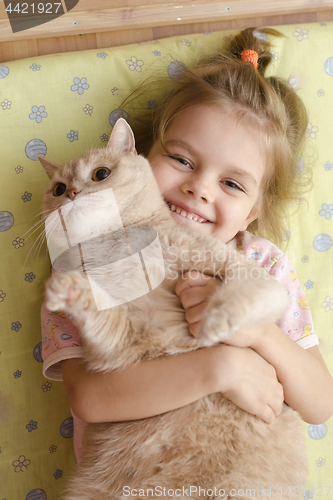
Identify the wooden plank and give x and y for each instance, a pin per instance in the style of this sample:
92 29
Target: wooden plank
29 48
123 37
101 19
11 51
66 44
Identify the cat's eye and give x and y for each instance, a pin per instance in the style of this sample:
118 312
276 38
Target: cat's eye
59 189
101 173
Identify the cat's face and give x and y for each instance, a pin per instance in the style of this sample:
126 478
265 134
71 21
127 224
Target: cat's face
99 193
116 167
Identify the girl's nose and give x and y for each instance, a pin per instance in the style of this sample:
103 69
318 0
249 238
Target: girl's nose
72 193
199 189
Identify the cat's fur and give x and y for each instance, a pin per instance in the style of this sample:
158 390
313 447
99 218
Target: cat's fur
210 443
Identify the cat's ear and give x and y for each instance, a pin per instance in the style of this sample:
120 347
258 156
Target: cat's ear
49 167
122 137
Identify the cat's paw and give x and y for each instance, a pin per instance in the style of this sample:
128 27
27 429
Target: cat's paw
220 322
68 291
233 307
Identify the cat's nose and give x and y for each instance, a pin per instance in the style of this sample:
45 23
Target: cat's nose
71 193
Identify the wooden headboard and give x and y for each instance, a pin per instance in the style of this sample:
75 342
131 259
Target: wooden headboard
101 23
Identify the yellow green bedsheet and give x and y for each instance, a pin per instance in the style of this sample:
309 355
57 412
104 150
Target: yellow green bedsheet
61 105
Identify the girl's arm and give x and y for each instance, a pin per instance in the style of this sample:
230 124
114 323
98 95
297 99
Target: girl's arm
306 381
164 384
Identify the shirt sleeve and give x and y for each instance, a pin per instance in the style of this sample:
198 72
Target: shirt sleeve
297 320
60 341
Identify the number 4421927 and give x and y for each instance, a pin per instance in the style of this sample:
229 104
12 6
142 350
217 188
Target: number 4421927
33 8
310 492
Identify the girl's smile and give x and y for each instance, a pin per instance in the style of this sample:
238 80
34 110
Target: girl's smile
186 212
210 172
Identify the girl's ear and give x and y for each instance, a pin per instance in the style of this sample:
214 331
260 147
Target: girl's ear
122 138
49 167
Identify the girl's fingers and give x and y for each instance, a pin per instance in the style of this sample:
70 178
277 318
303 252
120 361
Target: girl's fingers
195 314
191 279
274 407
191 297
267 415
193 289
194 329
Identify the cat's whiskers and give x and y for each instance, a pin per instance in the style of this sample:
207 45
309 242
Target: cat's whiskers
42 212
39 241
33 230
37 245
47 232
41 217
37 225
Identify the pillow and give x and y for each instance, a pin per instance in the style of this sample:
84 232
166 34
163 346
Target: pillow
60 106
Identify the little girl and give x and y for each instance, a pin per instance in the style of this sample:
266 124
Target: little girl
223 148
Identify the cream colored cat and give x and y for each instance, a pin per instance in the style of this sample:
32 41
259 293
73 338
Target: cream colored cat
211 443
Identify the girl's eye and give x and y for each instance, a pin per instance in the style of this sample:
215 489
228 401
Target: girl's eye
233 185
59 189
181 160
101 173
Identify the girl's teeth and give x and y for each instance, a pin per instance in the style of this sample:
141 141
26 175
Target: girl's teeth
183 213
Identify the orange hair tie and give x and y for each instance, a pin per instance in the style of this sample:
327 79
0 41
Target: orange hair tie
250 56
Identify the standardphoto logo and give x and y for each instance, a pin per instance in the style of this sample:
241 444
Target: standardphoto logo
25 15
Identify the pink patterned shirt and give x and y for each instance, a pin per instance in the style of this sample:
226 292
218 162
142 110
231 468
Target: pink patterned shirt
61 338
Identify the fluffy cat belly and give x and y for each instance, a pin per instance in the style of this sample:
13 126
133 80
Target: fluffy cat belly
211 439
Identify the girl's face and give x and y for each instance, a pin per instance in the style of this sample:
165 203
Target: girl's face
211 175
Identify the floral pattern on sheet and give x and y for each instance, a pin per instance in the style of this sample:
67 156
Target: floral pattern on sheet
43 113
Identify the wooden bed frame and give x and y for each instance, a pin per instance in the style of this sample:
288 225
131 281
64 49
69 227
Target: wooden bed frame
106 23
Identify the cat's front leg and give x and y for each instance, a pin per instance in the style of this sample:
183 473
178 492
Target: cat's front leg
105 333
242 302
69 292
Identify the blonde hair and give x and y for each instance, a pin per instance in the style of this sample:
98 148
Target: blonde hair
268 106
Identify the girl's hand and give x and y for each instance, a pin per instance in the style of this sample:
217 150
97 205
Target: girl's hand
194 290
250 382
